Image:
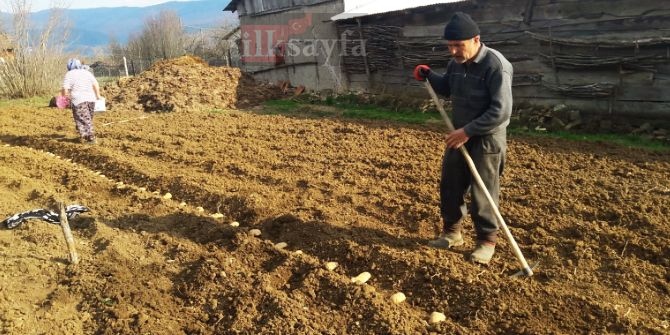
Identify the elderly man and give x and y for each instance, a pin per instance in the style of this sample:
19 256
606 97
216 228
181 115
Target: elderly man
479 82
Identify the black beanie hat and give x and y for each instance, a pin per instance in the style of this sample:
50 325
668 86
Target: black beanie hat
460 27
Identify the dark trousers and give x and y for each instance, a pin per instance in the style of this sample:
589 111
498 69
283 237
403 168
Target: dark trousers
83 118
488 154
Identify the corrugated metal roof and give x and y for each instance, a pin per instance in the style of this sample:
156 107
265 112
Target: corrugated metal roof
387 6
232 6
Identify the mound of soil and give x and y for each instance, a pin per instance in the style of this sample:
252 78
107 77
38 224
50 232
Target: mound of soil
187 84
362 194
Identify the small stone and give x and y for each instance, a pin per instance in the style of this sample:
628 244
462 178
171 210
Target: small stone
331 265
182 204
156 192
217 215
142 189
255 232
299 252
558 122
235 224
436 317
167 196
281 245
645 128
560 108
575 115
102 175
199 209
573 124
398 297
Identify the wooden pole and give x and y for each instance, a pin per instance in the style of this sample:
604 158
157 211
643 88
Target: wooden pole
125 65
74 259
365 56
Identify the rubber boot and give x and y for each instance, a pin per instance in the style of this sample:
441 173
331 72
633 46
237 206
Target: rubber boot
483 252
447 240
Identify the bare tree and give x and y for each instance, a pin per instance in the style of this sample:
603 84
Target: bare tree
162 35
39 52
115 49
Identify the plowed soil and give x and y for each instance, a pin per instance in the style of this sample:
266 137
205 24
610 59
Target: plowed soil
362 194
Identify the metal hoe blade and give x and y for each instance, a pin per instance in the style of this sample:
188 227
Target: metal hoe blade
525 272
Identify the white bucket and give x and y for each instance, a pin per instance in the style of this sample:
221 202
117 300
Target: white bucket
100 106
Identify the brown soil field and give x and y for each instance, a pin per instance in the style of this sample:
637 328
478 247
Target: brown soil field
363 194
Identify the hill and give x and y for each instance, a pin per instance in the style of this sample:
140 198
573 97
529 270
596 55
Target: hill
92 26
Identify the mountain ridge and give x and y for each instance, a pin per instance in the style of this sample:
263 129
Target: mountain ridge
91 27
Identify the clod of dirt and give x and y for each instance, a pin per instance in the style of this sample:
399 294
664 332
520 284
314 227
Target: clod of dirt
187 84
398 297
361 278
199 209
436 317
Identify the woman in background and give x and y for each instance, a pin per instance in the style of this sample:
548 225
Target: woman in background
84 91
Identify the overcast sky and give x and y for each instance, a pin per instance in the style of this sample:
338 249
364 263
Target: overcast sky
75 4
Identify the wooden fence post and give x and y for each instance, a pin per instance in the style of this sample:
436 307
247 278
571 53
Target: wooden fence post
74 258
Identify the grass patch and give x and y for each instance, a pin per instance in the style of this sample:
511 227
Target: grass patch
371 113
624 140
346 107
103 81
30 102
282 106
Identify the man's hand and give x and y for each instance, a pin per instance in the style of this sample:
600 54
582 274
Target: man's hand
421 72
456 139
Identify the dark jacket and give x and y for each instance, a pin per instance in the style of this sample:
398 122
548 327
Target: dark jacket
481 92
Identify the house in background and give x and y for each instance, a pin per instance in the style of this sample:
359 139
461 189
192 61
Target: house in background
6 47
610 58
311 55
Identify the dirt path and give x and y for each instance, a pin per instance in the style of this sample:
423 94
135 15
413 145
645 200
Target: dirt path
363 194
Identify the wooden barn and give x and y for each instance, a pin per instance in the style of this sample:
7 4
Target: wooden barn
605 57
314 65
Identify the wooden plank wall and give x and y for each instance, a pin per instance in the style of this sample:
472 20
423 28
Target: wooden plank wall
639 93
